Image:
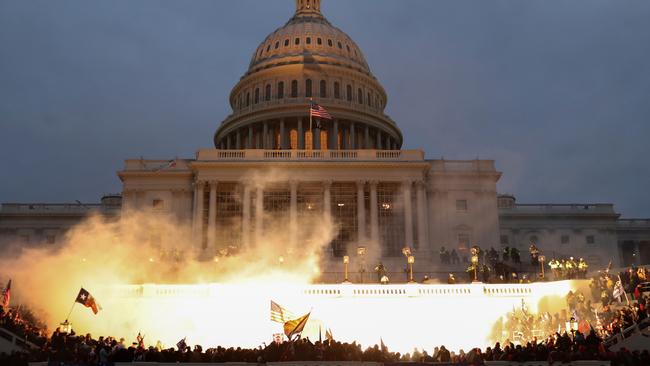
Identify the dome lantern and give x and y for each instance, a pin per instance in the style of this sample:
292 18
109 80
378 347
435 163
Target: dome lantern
305 7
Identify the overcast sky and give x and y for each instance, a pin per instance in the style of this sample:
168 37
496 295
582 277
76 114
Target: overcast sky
557 92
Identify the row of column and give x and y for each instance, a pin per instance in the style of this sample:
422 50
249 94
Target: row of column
421 201
251 138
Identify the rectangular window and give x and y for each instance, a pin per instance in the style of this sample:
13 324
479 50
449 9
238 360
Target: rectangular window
590 239
505 240
158 204
50 239
564 239
463 241
461 205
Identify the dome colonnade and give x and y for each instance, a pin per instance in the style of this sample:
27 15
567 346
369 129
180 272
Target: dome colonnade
307 60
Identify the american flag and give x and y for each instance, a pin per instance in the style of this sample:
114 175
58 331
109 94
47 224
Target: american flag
316 110
279 314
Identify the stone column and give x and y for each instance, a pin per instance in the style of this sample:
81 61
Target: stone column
353 137
315 138
387 143
301 135
238 140
408 214
345 135
374 215
212 216
335 135
259 215
327 199
246 216
265 136
366 137
361 211
229 142
198 213
293 213
249 143
378 143
283 137
422 203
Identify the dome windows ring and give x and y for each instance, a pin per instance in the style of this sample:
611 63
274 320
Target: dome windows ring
323 89
281 90
294 89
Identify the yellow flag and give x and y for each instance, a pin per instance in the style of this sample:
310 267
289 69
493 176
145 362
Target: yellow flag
295 326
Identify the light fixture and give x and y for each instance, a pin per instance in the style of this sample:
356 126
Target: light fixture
385 206
341 204
410 259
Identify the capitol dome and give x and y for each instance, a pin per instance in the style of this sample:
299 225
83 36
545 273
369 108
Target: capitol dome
308 60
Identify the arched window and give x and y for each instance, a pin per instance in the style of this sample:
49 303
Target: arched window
277 44
308 89
268 48
349 92
348 47
248 99
294 89
297 41
281 90
337 90
267 93
323 89
329 42
340 45
319 41
286 43
369 101
360 96
256 99
308 40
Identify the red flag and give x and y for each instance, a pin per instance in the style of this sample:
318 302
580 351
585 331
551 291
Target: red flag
87 300
637 292
6 295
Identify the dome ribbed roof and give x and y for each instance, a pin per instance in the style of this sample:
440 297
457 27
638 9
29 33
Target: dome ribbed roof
310 35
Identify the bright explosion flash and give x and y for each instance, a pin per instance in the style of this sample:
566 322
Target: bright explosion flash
405 316
225 300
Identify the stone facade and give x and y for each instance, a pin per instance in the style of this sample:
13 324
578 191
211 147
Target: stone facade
273 165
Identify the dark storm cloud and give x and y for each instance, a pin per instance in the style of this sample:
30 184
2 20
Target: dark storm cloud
557 92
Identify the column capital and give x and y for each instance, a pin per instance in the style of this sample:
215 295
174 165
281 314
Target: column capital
213 183
293 183
361 183
327 183
408 182
200 183
373 183
420 183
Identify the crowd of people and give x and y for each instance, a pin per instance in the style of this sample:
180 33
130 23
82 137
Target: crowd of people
577 332
70 349
23 324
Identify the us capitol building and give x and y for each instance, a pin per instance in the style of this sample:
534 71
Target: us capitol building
271 167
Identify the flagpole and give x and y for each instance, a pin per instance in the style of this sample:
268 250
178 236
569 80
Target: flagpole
310 120
72 308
